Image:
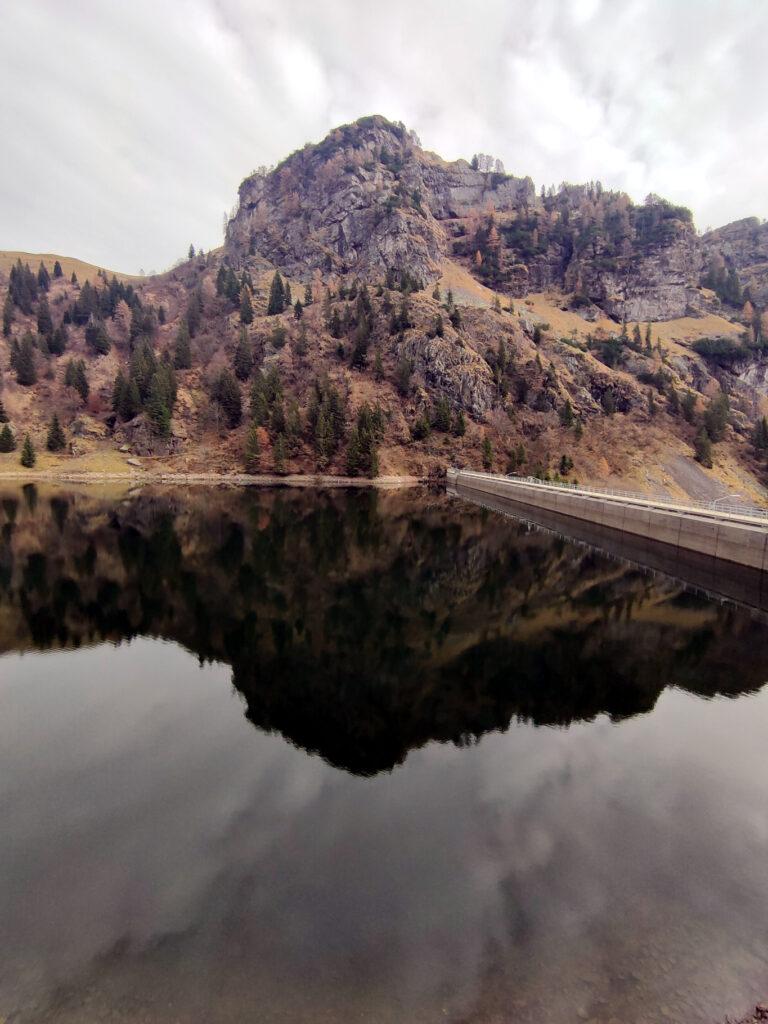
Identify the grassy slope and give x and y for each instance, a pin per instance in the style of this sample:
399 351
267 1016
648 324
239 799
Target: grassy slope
84 271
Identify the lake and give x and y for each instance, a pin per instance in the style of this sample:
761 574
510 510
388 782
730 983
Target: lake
308 756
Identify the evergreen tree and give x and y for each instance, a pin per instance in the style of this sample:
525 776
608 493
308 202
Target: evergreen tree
688 405
226 392
182 350
673 402
702 448
278 454
259 402
403 374
335 324
441 420
28 455
57 271
487 454
73 279
158 406
459 427
7 440
191 253
194 312
96 337
243 359
26 370
378 368
362 451
252 454
716 417
308 295
3 413
648 340
44 322
651 404
760 435
298 310
8 314
75 377
636 336
288 298
58 343
161 315
56 440
566 414
125 397
43 277
246 307
277 296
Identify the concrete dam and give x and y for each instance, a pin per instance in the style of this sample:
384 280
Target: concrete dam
721 551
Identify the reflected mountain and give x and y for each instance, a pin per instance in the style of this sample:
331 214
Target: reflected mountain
362 624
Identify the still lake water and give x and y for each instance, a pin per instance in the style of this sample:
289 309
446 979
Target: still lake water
319 757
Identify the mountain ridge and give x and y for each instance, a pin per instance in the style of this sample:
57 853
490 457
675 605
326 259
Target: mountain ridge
378 309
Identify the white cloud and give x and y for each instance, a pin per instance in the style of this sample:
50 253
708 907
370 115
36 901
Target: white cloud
126 129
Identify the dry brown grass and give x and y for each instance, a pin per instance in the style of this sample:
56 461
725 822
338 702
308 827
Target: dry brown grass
84 271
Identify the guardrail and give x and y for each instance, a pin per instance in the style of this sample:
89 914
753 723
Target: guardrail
690 504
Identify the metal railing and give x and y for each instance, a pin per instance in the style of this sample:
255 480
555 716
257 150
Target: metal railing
689 504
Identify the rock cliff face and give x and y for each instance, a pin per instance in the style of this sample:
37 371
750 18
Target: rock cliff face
743 244
368 199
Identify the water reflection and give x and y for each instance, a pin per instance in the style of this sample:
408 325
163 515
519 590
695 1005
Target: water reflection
362 625
167 861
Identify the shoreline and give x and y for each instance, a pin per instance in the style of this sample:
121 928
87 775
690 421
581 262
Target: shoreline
215 479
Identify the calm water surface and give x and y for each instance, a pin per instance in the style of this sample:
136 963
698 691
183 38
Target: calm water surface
352 757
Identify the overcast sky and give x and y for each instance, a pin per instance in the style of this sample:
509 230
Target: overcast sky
126 128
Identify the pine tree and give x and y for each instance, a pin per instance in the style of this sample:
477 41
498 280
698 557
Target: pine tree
158 407
43 277
56 440
96 336
702 448
760 435
487 454
191 253
243 358
566 414
182 350
308 294
44 321
277 297
288 298
58 343
278 454
57 271
7 440
28 455
8 315
75 377
651 404
459 427
73 279
26 371
3 413
246 307
378 368
298 309
648 340
716 417
252 454
226 392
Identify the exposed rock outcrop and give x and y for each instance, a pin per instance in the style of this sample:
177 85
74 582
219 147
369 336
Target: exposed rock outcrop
743 244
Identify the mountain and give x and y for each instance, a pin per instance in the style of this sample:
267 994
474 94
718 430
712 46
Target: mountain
375 308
